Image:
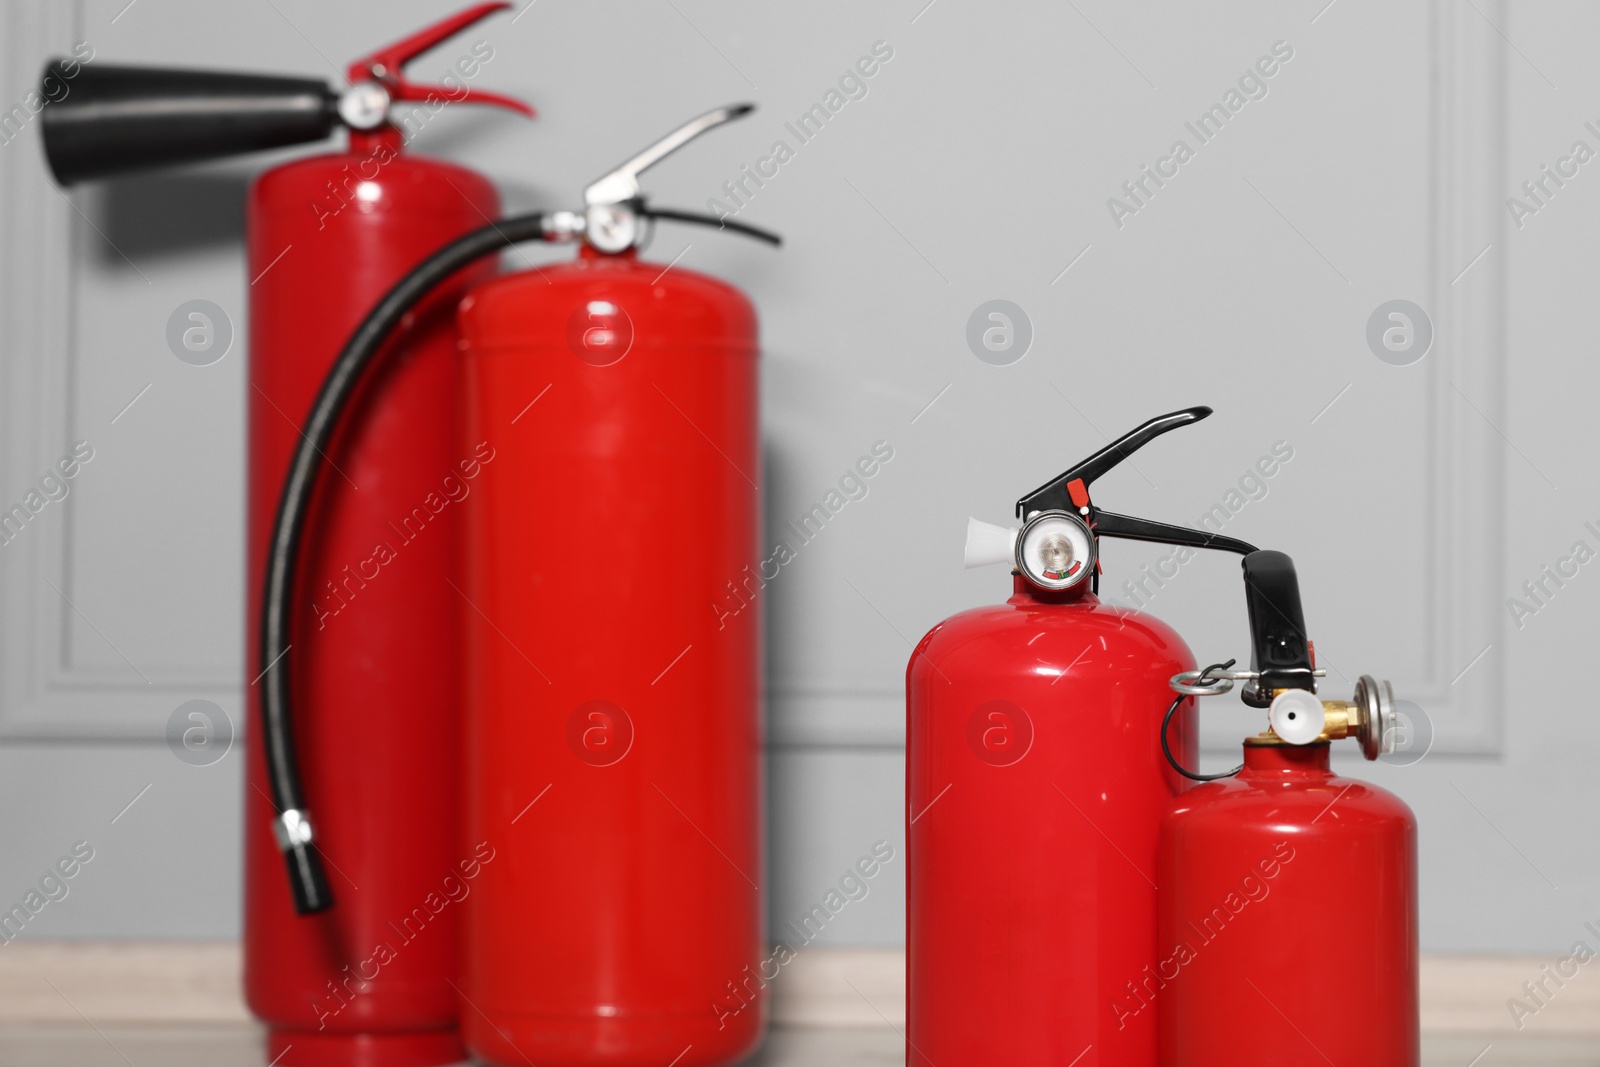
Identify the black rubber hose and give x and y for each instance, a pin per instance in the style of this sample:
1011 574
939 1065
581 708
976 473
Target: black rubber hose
307 879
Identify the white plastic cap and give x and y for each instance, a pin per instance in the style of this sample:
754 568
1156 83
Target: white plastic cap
988 543
1296 716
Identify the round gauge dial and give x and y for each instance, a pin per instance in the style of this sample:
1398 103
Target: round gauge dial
1055 550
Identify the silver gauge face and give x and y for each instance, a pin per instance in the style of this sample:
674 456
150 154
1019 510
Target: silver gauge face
1055 550
364 106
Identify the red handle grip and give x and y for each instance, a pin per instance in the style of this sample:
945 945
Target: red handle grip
387 64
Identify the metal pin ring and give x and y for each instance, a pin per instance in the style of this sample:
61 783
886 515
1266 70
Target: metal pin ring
1189 682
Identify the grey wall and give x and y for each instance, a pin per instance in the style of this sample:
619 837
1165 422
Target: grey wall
978 165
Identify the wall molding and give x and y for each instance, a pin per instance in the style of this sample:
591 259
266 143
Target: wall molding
46 692
1466 539
45 695
1463 685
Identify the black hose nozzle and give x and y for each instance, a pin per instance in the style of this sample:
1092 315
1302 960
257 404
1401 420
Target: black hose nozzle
308 882
115 120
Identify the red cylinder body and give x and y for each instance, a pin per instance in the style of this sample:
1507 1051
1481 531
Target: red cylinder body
1035 785
375 661
613 741
1288 920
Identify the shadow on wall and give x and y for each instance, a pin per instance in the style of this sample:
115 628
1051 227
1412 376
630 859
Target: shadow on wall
777 484
167 214
773 480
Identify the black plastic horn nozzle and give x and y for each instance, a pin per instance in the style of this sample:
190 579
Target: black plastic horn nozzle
117 120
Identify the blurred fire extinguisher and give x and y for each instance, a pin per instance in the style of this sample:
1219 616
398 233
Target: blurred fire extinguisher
1286 890
614 408
1035 788
374 658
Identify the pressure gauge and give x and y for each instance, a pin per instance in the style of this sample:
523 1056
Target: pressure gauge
365 105
1055 550
1378 725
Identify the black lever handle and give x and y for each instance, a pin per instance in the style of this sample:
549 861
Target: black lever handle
122 119
1280 650
696 218
1070 492
1108 524
1055 495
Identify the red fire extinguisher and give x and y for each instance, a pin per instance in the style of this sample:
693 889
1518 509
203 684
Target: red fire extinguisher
1035 787
1288 900
604 690
613 802
371 656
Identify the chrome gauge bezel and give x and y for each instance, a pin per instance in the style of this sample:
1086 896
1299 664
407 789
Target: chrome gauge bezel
1045 526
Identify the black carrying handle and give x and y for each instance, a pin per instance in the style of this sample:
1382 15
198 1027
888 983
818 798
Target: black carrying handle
1279 648
1056 494
117 120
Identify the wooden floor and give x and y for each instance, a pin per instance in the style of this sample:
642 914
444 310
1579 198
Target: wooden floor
175 1004
234 1046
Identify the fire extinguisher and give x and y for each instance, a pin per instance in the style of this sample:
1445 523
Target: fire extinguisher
613 789
604 689
1035 787
372 654
1288 893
